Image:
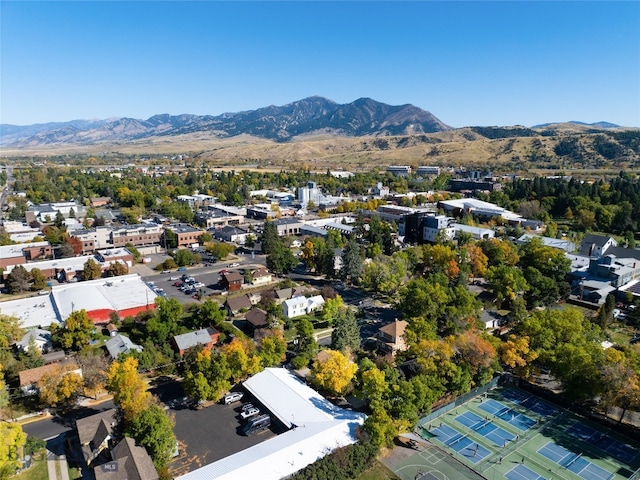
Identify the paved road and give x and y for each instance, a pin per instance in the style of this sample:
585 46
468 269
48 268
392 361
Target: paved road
50 427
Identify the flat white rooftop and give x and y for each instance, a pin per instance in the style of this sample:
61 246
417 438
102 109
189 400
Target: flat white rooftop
317 428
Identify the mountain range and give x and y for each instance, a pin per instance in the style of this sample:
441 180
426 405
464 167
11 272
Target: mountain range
306 117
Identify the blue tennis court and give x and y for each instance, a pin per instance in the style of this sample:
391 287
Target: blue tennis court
460 443
486 428
499 409
618 450
530 402
574 462
520 472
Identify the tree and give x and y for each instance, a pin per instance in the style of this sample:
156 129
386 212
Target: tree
272 349
13 439
220 250
92 270
184 257
281 259
75 244
506 283
117 269
333 373
352 263
76 333
38 279
10 330
345 336
59 386
94 370
332 308
128 388
134 251
242 358
153 429
269 238
516 353
210 313
18 280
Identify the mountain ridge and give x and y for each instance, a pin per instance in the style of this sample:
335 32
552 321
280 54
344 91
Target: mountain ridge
362 117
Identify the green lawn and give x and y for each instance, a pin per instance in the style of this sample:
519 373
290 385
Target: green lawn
377 472
38 470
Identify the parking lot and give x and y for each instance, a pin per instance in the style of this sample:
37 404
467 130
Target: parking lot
212 433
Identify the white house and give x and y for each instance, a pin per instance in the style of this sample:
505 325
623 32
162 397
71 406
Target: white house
41 338
297 306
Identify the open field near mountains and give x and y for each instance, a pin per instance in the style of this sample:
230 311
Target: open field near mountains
460 147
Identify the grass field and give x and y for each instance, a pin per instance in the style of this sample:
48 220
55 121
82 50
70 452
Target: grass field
510 434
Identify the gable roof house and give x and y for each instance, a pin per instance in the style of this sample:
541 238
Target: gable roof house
29 378
391 337
282 294
235 304
231 281
94 433
261 276
297 306
596 245
256 319
130 462
207 337
119 344
41 339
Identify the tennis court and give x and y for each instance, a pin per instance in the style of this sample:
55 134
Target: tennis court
497 436
520 472
621 451
486 428
508 414
461 443
530 402
574 462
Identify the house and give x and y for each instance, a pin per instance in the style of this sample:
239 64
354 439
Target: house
232 234
95 431
119 344
130 462
41 339
54 357
256 318
261 276
235 304
297 306
282 294
596 245
100 201
207 337
112 329
232 281
30 378
391 337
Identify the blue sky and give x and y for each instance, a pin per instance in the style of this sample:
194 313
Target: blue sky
468 63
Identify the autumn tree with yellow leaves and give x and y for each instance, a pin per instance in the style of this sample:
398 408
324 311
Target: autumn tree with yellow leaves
128 388
60 386
12 440
333 372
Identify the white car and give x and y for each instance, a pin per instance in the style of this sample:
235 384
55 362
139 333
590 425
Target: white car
233 397
249 413
233 265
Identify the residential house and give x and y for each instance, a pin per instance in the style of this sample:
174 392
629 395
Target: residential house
391 337
206 337
596 245
30 378
298 306
235 304
118 345
256 318
282 294
130 462
232 281
261 276
95 431
100 201
53 357
232 234
41 340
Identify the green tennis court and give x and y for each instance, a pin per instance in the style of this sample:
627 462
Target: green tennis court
510 434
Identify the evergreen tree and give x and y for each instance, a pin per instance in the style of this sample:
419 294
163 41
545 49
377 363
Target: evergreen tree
352 263
346 332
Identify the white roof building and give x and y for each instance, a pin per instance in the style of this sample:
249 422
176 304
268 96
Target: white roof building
317 427
37 311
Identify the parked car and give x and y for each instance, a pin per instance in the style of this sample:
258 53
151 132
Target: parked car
257 424
182 269
171 279
166 271
223 271
233 265
249 413
233 397
247 406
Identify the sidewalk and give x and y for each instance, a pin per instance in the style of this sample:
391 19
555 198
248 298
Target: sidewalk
57 464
